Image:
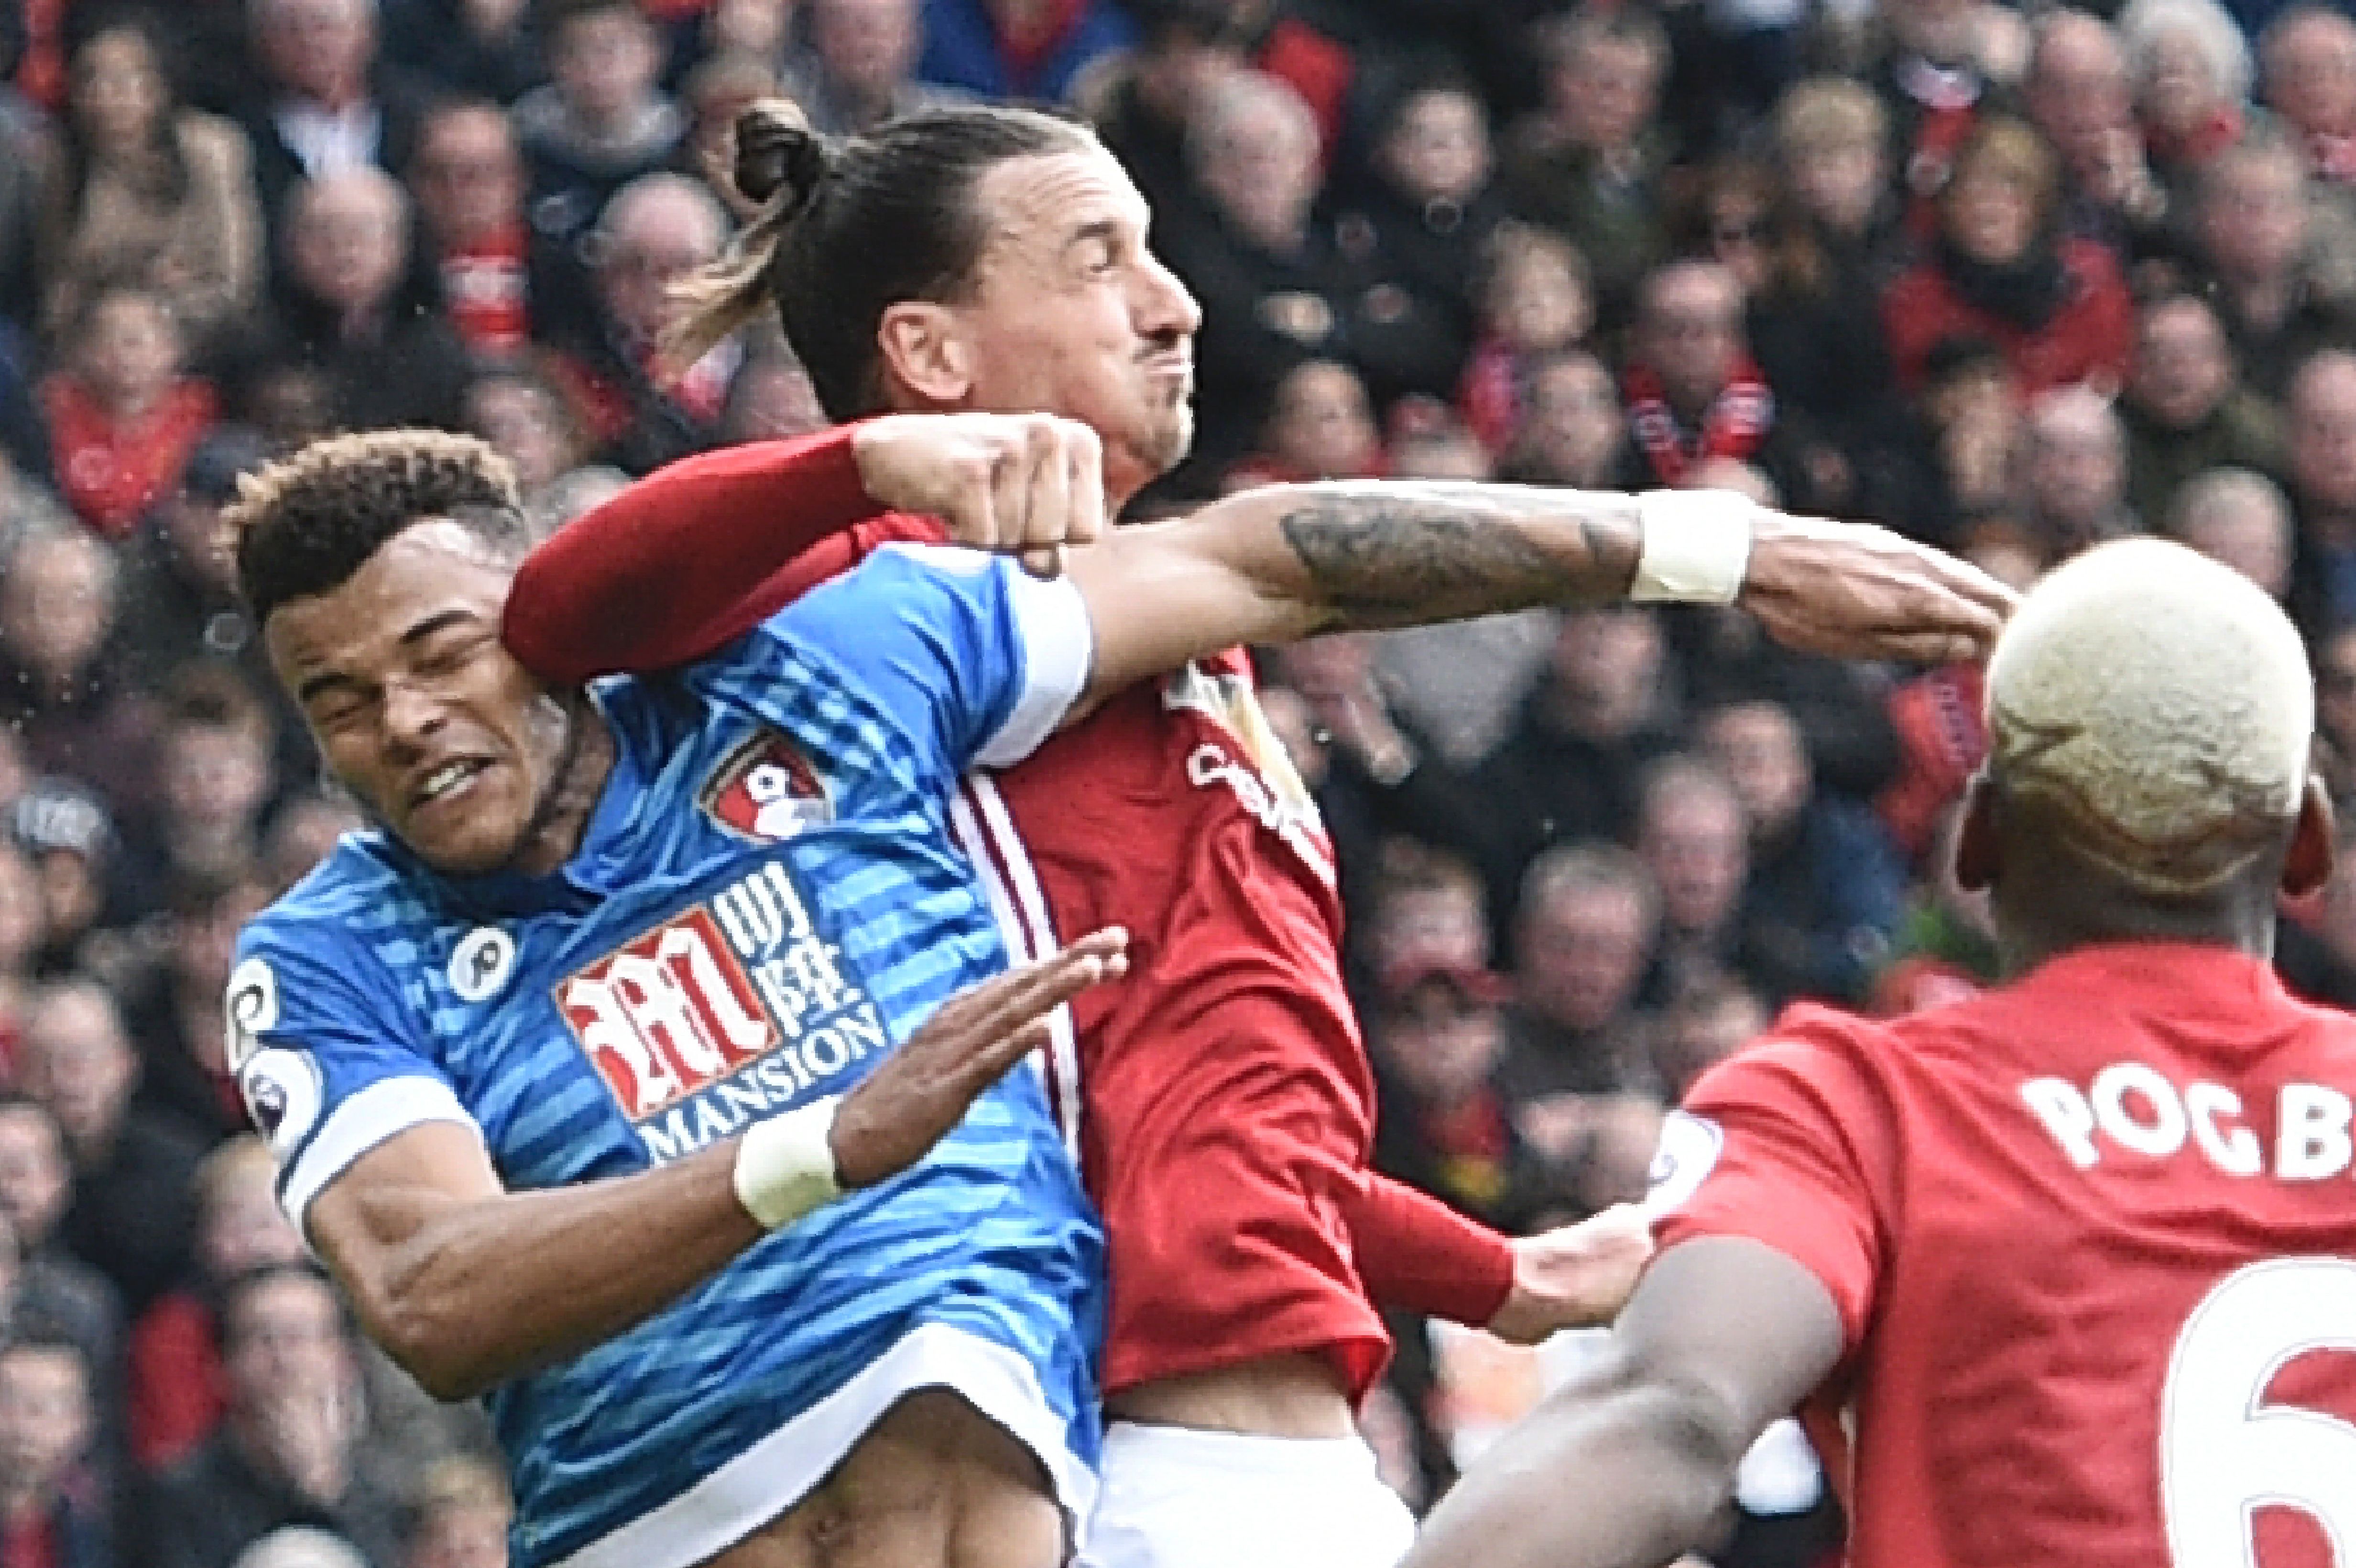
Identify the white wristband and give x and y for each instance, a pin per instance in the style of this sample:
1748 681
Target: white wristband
1696 546
784 1166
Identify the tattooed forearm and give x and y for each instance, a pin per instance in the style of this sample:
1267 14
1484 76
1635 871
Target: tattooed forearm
1399 554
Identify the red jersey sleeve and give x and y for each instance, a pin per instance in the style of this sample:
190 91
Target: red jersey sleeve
682 562
1788 1144
1413 1251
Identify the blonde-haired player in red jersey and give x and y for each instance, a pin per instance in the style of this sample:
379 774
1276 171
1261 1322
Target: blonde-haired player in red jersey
2064 1274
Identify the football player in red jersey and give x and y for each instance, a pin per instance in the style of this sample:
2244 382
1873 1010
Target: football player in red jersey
2064 1273
991 259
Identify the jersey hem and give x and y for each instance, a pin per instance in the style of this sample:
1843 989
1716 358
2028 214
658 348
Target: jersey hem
766 1480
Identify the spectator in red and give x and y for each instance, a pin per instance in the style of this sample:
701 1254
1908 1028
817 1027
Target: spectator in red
289 1450
501 283
1999 270
1023 50
179 1386
123 416
1933 76
2191 68
143 189
54 1510
1536 302
1694 396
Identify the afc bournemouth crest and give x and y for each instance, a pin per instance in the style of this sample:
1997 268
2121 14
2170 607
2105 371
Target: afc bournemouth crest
767 791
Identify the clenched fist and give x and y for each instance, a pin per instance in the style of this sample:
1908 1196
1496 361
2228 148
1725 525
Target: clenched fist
1017 483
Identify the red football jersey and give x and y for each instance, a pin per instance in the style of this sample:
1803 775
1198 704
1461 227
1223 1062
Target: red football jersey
2093 1239
1227 1113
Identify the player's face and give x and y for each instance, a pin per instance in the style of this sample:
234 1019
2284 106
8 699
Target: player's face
1072 316
419 709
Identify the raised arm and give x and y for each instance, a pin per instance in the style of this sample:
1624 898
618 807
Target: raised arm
1288 561
468 1284
699 552
1632 1464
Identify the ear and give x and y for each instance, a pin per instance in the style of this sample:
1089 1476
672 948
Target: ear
924 353
2308 865
1979 847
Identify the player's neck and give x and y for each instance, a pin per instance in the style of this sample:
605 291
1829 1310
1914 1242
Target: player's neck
2029 937
562 820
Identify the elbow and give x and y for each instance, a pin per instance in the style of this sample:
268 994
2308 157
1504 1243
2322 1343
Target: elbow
1699 1437
439 1350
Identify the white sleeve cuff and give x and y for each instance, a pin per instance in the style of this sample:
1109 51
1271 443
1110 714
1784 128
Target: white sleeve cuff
386 1107
1059 646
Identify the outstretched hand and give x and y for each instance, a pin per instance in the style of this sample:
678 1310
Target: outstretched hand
1575 1276
897 1113
1854 590
1017 483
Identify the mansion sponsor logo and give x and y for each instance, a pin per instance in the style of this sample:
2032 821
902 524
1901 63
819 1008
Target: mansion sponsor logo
724 1013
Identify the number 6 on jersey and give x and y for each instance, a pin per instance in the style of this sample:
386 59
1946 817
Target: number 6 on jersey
2227 1451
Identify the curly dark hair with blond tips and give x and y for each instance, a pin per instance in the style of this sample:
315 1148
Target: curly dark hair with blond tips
305 523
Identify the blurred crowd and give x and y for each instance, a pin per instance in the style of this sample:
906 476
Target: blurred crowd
2010 279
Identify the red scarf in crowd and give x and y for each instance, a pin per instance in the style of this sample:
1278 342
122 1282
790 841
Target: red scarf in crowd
111 471
1736 421
487 291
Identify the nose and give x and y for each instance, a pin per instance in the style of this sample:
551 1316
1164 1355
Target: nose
1164 308
411 715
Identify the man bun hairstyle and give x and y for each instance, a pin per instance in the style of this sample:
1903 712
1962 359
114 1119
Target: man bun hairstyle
848 227
305 523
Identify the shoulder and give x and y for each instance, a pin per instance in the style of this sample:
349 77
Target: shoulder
341 925
211 141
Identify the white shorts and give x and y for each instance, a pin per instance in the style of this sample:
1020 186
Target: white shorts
1174 1496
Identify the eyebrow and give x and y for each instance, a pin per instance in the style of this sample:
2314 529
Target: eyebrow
328 680
1102 229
